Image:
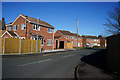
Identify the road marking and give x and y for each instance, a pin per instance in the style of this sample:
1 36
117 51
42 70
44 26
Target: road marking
68 55
34 62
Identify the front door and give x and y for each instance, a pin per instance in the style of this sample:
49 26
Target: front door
56 44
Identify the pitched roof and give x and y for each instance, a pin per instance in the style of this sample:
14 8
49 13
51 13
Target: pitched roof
68 33
75 34
65 32
35 21
88 36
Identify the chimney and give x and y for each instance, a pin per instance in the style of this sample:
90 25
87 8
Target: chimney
3 19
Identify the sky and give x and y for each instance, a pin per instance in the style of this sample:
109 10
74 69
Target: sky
63 15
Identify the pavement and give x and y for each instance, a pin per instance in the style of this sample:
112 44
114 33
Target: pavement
43 52
57 65
93 66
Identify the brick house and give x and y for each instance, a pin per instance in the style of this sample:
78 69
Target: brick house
90 41
63 37
26 28
103 40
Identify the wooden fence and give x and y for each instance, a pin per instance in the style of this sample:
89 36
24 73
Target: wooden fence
21 46
113 55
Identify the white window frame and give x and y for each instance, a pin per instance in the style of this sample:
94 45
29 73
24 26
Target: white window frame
15 27
23 26
35 27
10 27
49 44
38 28
21 37
95 40
50 30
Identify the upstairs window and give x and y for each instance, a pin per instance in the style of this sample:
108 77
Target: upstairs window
76 38
38 28
15 27
10 28
22 26
34 27
67 37
49 30
79 38
71 37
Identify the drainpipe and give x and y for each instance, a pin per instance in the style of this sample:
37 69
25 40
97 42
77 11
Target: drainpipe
53 39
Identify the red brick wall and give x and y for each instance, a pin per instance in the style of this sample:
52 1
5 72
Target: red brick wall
63 38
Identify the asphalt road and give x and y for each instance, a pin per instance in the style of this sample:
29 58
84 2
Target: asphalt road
57 65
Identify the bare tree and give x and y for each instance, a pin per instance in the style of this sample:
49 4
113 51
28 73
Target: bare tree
113 21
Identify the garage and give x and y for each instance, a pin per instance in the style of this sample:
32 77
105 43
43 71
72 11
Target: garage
61 45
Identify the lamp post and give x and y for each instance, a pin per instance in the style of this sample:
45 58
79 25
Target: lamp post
37 34
77 33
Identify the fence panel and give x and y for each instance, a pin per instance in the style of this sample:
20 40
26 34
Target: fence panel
34 46
69 45
39 45
11 45
25 45
1 45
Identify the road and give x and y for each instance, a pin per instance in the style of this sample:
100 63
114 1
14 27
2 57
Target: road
56 65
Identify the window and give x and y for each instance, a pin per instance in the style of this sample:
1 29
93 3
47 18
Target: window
22 26
67 37
38 28
49 30
34 27
49 42
94 39
15 27
95 44
76 38
21 37
79 38
10 28
91 44
71 37
75 43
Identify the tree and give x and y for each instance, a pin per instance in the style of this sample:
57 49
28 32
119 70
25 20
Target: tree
113 21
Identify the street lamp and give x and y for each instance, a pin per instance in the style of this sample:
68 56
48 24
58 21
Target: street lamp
37 34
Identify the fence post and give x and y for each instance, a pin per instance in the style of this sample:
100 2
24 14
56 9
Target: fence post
4 47
31 45
20 47
40 46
